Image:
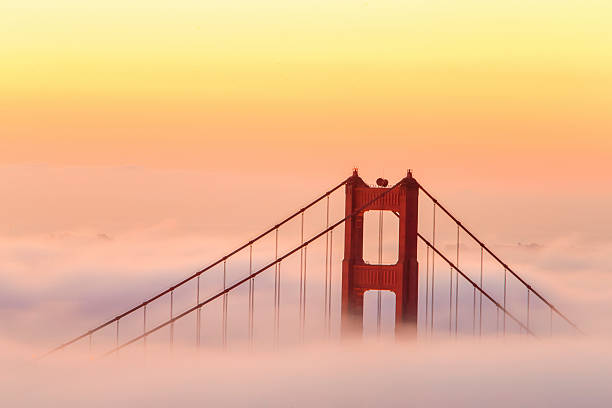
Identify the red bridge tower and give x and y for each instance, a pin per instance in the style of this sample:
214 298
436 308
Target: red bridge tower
400 278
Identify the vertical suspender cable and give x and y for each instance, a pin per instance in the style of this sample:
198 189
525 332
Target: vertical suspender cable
117 338
171 316
450 301
144 324
251 297
276 292
528 290
480 307
551 321
379 295
497 321
301 279
427 289
199 313
433 267
303 317
505 274
224 325
457 287
474 313
277 327
456 304
326 261
329 297
90 342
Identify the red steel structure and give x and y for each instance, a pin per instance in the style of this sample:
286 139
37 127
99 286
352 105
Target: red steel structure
400 278
358 276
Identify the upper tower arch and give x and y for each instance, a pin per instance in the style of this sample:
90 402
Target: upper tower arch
400 278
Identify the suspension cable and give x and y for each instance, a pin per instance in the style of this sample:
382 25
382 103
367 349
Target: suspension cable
528 307
433 267
427 290
497 322
474 312
551 322
171 316
275 287
557 311
189 278
261 270
224 305
301 270
144 325
457 287
505 275
329 298
379 293
198 313
303 319
450 301
251 296
326 263
117 337
474 284
480 308
277 322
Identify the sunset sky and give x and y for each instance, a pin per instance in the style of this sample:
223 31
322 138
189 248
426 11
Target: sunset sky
512 89
140 140
505 97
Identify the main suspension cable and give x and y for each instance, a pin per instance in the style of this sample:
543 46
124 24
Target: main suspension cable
261 270
194 275
557 311
474 284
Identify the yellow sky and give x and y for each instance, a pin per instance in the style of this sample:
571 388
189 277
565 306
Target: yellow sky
168 83
222 116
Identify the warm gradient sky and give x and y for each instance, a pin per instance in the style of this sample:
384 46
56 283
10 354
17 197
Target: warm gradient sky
124 117
141 139
514 96
512 88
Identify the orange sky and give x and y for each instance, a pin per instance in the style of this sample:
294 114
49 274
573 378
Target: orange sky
153 135
510 96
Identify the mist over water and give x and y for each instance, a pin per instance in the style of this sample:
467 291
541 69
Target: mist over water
487 372
140 141
56 286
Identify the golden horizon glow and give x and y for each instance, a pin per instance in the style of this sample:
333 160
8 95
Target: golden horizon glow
157 83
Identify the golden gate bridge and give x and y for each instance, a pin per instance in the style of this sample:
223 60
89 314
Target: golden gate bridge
437 291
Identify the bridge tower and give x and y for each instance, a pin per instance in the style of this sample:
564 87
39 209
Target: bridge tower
400 278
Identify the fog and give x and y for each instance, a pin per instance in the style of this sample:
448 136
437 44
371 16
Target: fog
504 373
56 285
